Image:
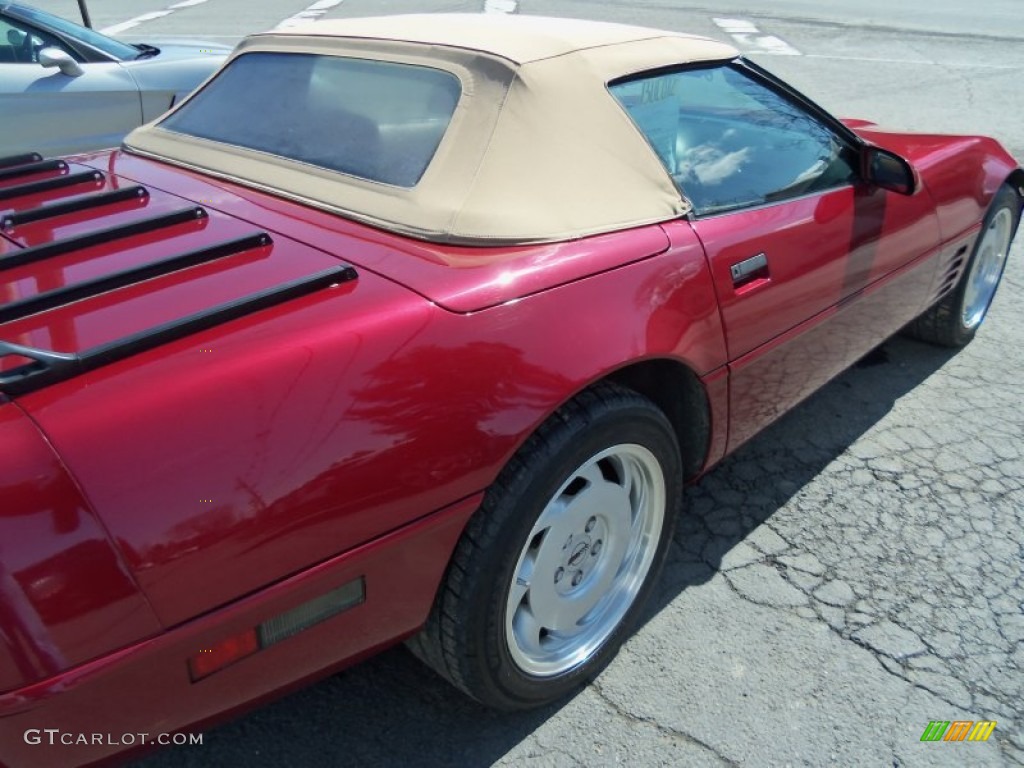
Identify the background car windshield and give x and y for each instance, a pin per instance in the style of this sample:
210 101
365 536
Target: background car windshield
372 119
45 20
729 141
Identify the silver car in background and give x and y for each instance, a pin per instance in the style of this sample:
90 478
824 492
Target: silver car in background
65 88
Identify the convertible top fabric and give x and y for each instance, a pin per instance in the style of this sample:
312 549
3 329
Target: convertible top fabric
537 149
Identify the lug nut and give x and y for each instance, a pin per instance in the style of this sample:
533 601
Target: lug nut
558 574
596 549
577 578
590 524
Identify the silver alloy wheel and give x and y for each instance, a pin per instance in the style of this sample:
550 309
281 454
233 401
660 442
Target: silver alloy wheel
987 268
585 560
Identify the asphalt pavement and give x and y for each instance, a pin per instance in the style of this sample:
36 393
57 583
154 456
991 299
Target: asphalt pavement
852 573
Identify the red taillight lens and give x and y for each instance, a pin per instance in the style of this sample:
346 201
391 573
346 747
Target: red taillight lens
226 652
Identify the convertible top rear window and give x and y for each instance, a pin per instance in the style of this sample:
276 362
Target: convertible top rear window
375 120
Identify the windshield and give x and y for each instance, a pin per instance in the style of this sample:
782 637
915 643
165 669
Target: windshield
47 21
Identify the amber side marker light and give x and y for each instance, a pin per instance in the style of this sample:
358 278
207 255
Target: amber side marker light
237 647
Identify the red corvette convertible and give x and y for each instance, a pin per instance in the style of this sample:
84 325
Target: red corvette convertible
413 329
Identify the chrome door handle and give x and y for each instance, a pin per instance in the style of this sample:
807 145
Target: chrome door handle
743 270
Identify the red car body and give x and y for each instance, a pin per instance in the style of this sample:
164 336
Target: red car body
157 506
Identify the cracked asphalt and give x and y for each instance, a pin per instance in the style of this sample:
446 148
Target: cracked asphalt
851 574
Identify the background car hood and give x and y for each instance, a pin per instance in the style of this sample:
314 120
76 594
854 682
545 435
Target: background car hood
175 49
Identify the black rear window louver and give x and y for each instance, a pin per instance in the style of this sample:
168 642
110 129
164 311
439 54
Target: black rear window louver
30 169
28 157
47 367
72 205
22 168
58 297
47 185
100 236
50 367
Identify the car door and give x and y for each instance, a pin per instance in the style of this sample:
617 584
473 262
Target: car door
44 110
812 265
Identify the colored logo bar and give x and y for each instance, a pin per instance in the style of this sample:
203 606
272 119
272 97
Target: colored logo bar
958 730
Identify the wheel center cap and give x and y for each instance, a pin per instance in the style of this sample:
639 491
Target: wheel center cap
578 554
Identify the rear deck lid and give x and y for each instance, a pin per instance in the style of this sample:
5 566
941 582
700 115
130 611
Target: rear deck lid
94 268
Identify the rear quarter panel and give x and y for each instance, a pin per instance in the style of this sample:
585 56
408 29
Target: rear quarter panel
231 459
66 596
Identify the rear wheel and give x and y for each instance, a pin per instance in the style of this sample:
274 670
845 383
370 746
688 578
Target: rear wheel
954 320
553 569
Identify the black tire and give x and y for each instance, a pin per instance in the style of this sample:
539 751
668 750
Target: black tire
470 637
944 323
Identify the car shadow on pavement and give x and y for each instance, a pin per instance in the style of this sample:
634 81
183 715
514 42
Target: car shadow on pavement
393 711
735 498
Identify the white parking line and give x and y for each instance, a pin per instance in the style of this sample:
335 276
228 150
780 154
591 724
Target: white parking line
749 37
117 28
310 13
500 6
134 22
918 62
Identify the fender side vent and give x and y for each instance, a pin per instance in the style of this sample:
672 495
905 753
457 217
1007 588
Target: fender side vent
953 271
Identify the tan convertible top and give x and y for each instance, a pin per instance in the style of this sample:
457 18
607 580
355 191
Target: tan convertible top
520 39
537 149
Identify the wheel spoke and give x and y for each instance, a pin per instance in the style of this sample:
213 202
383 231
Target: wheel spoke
628 482
527 630
517 593
592 474
552 515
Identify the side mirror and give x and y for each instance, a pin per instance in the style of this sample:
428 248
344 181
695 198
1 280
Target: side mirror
55 57
887 170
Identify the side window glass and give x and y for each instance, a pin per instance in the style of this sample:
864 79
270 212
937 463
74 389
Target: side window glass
21 44
730 142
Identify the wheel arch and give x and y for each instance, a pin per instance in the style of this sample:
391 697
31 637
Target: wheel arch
678 392
483 568
1016 180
